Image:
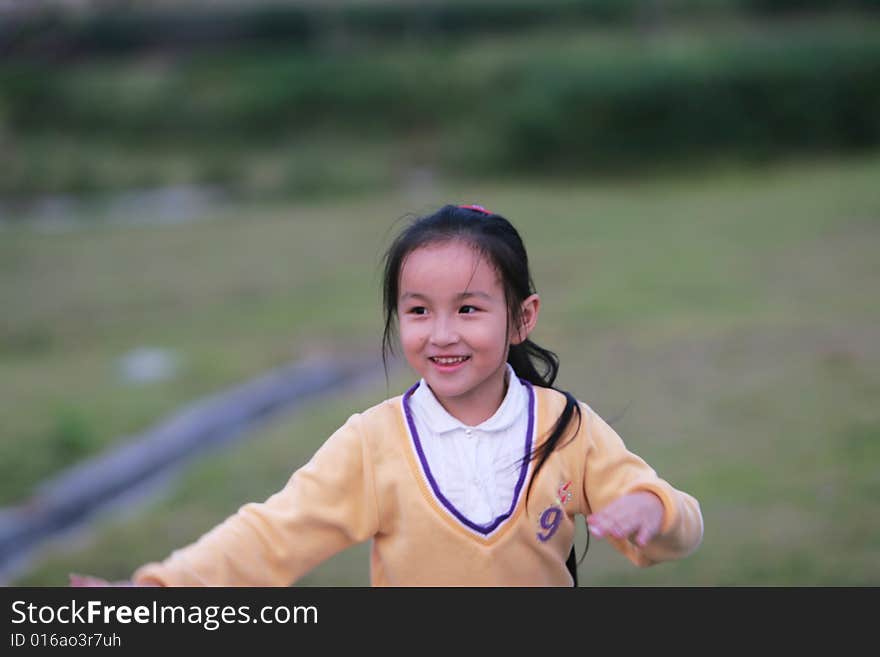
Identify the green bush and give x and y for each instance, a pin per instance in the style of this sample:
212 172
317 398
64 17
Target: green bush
127 29
582 100
756 98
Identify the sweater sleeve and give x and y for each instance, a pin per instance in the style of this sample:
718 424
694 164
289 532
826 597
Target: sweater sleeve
327 505
612 471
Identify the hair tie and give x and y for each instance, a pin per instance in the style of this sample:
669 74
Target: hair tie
475 208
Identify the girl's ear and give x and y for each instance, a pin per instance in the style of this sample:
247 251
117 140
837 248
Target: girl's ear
529 317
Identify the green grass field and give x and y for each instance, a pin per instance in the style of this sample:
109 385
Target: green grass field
725 322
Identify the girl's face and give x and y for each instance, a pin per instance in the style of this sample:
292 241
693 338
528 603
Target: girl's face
454 327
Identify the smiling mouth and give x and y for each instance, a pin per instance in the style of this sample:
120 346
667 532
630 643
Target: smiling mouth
454 360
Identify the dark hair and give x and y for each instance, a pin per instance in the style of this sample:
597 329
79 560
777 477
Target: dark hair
497 240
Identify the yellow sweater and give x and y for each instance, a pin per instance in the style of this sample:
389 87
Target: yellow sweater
369 481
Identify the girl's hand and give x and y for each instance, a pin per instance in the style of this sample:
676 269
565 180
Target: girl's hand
89 581
636 517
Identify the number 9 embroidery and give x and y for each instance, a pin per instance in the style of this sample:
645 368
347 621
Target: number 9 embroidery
550 520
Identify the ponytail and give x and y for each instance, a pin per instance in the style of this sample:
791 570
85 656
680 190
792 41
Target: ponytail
521 358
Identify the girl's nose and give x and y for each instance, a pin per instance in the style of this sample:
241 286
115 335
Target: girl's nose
443 332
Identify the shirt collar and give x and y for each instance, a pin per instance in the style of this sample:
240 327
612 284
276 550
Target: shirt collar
425 405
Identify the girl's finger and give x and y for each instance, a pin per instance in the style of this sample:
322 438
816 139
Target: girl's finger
605 524
645 534
628 525
623 526
597 526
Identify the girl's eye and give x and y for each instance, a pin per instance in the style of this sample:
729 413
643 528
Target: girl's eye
417 310
468 310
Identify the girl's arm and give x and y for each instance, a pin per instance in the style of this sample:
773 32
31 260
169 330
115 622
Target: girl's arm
642 515
87 581
327 505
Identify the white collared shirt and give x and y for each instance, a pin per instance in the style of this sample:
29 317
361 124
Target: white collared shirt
476 468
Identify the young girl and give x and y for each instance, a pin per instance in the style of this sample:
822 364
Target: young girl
472 477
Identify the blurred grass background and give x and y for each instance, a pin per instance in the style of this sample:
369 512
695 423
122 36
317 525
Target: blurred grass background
696 183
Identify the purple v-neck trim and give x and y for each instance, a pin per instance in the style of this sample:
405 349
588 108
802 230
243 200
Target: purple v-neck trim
482 529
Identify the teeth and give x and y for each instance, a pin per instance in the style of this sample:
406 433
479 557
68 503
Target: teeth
450 361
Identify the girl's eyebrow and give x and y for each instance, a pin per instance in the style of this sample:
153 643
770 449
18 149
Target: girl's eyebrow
460 295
